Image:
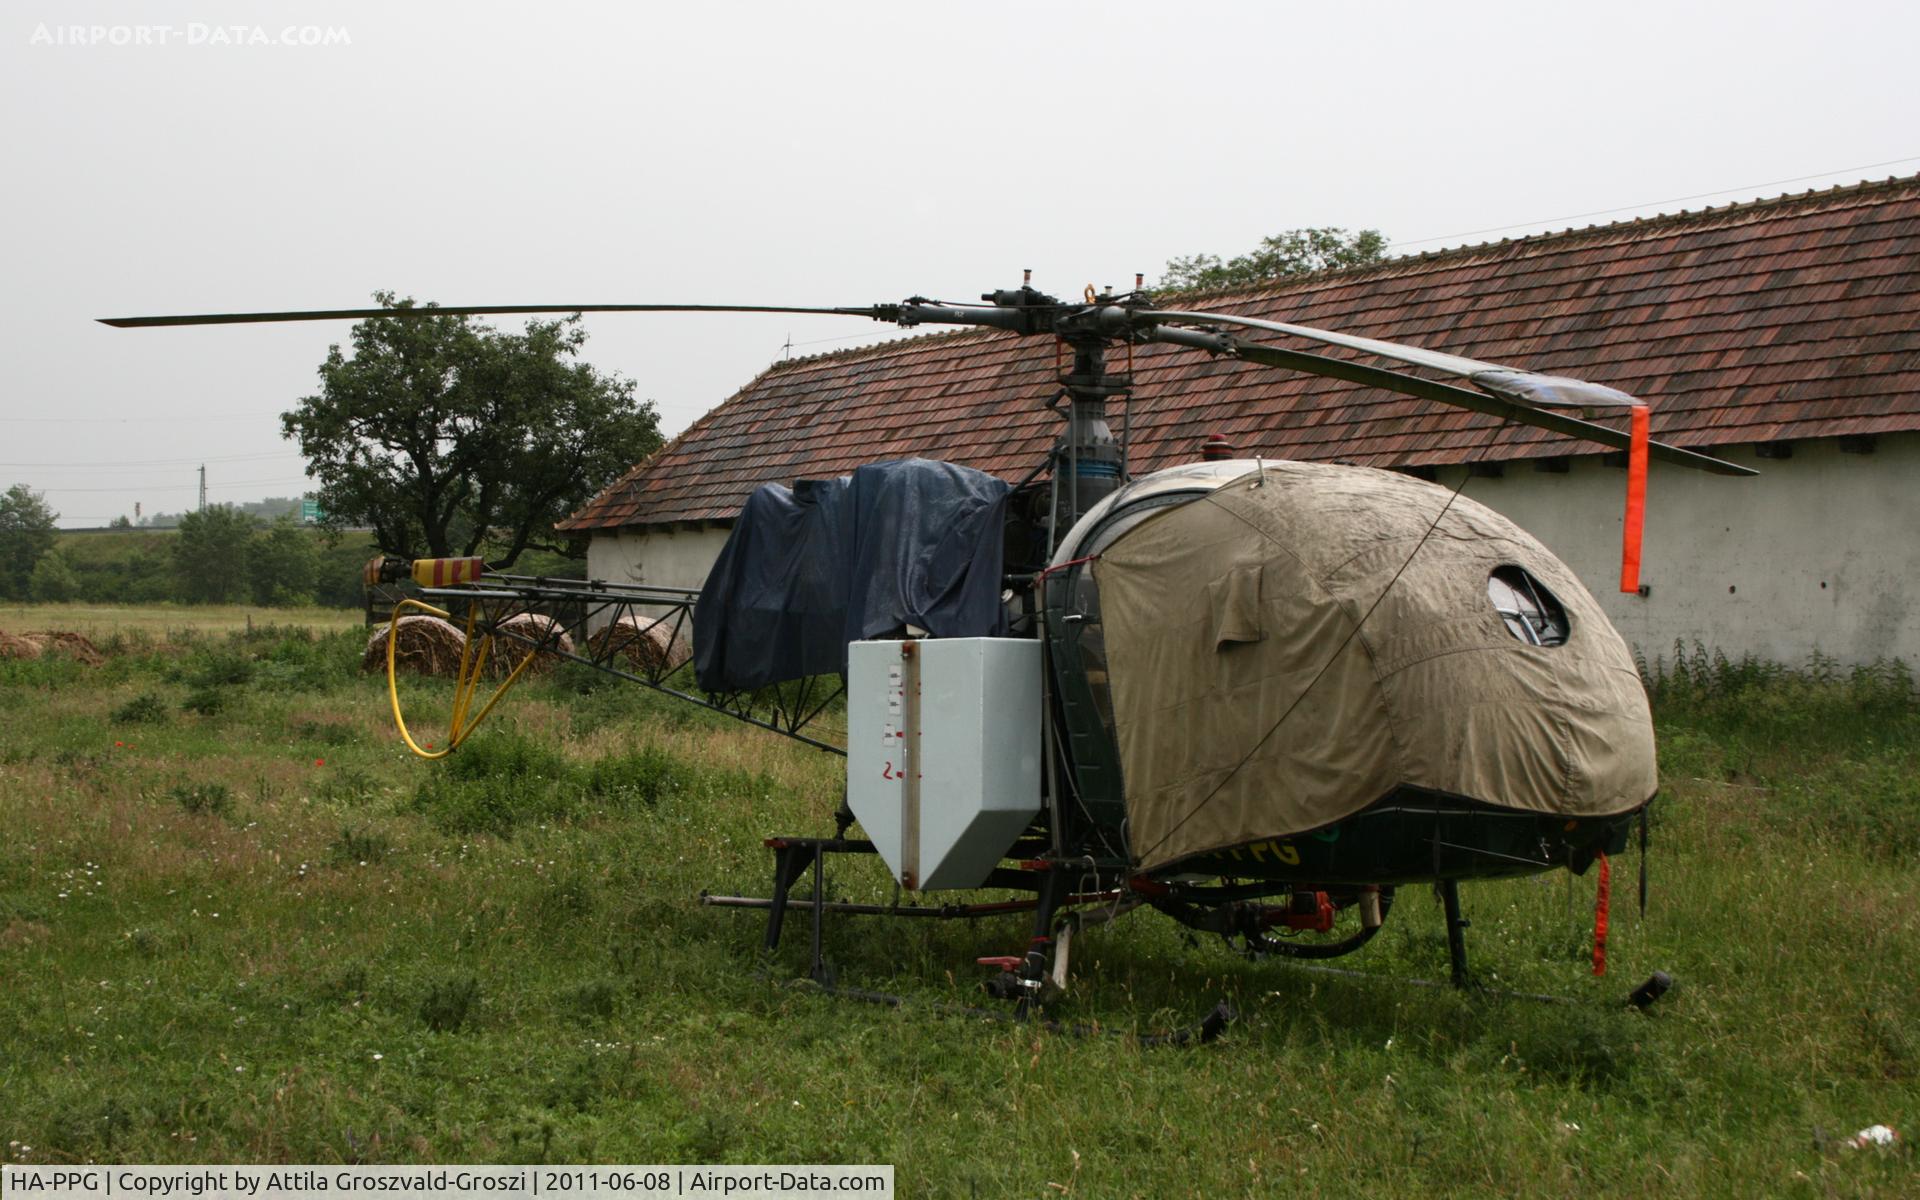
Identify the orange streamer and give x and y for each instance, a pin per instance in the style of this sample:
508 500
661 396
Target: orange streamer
1600 905
1636 502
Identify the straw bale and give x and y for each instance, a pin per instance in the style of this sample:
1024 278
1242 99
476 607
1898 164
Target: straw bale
648 645
509 650
427 646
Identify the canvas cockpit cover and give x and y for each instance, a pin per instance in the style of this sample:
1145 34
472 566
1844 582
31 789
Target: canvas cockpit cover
811 568
1247 706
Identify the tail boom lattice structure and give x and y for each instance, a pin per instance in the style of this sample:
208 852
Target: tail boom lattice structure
800 709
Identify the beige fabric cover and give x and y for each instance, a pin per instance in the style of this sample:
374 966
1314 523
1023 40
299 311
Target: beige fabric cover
1220 613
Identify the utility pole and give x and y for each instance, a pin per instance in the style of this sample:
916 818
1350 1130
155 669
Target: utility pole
203 487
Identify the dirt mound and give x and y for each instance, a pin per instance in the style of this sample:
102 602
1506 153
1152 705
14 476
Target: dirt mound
509 650
427 646
71 645
649 646
18 647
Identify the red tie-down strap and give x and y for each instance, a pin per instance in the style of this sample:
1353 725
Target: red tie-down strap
1600 905
1636 501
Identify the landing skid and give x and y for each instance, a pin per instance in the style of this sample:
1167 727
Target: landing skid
1028 980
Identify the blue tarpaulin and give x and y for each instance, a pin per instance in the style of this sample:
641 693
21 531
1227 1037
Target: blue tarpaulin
811 568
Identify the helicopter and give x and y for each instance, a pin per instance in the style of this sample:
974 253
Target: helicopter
1254 696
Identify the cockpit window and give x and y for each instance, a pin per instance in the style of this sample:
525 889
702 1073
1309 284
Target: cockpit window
1090 635
1530 611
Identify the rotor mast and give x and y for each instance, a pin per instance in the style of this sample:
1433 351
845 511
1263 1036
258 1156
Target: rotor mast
1089 464
1087 461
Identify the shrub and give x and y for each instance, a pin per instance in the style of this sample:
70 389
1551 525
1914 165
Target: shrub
496 782
207 701
594 998
621 781
355 847
144 709
219 667
449 1002
196 798
347 786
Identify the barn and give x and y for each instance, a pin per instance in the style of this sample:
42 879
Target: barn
1781 334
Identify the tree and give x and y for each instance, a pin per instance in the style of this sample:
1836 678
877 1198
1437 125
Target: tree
26 533
280 564
210 554
1295 252
53 580
447 437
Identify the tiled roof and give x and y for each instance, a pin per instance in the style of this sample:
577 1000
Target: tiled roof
1790 318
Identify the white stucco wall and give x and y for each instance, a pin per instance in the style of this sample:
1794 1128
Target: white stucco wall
1820 552
662 557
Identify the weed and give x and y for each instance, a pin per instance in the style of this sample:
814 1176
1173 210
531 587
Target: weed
508 754
151 943
1563 1042
593 998
325 733
296 658
198 798
621 782
347 786
219 668
566 899
347 985
496 783
356 847
449 1002
145 709
602 1015
207 700
96 1128
709 1139
1889 1044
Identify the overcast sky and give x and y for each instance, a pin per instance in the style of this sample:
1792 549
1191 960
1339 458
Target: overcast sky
806 154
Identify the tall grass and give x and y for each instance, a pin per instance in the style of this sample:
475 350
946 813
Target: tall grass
265 932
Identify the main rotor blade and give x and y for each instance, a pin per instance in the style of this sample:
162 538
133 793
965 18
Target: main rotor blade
878 312
1510 382
1444 393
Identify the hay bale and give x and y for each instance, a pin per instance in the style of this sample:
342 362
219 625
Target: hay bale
647 644
59 642
509 651
18 647
426 646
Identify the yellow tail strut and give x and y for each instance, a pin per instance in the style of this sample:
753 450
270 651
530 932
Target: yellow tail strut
466 683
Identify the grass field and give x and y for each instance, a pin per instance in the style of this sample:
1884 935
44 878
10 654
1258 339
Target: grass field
162 622
237 923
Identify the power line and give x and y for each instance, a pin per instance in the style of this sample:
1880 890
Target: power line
97 420
154 462
181 487
1601 212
